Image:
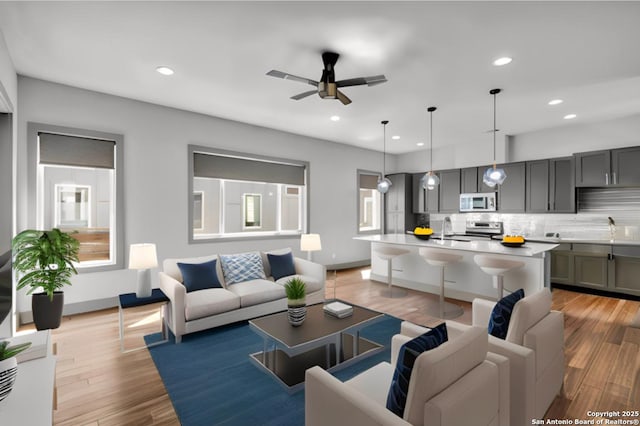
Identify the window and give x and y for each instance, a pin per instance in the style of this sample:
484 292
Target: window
244 195
369 203
78 189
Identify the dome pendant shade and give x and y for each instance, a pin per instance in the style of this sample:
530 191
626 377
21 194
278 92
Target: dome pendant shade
383 185
429 181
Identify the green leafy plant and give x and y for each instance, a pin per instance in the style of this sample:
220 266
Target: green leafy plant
46 258
7 351
295 289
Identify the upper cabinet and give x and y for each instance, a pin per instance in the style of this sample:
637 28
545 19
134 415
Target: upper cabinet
469 180
550 186
449 191
425 201
609 167
511 193
481 185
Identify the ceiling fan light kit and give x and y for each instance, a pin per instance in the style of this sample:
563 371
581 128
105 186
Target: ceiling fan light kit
430 180
328 87
493 175
383 182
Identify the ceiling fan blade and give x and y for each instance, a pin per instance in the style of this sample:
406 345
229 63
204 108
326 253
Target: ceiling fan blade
286 76
359 81
304 95
343 98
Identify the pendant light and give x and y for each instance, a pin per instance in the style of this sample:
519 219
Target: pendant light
430 180
383 183
493 175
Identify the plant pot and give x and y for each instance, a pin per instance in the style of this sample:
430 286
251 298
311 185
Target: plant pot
46 313
296 313
8 372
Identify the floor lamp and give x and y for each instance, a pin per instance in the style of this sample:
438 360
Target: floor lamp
310 243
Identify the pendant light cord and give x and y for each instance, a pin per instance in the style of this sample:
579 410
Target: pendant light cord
494 130
430 141
384 148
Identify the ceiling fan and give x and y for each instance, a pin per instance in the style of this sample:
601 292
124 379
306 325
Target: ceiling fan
328 87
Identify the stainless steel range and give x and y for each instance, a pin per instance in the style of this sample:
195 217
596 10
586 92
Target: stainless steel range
484 228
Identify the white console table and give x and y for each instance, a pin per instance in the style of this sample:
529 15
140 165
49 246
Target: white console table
31 402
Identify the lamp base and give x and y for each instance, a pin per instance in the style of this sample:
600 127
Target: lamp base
144 283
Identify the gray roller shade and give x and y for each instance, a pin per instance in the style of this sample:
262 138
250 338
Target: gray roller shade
233 168
368 181
75 151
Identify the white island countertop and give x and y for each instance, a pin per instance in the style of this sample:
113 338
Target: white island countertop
529 249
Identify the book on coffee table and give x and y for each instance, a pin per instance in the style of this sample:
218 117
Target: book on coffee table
338 309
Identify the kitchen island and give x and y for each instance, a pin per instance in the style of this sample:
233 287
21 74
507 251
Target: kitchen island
464 280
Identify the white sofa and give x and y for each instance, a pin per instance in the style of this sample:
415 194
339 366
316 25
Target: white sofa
188 312
456 384
535 347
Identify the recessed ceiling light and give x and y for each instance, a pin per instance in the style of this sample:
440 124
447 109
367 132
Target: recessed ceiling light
395 138
420 144
502 61
335 118
555 102
570 116
165 70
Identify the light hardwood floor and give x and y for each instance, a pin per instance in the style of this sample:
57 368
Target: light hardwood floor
99 385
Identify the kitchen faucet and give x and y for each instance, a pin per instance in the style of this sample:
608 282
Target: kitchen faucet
445 221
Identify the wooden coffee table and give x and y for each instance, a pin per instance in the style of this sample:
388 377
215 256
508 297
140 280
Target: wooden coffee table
330 342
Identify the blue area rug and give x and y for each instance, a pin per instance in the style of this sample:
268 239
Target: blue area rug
211 380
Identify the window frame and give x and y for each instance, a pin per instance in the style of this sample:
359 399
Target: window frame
258 235
380 207
118 233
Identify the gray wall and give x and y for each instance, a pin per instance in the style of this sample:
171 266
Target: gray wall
6 179
156 177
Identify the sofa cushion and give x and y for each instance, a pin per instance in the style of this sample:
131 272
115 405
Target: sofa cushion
409 352
501 314
265 258
211 301
199 276
170 267
313 285
281 265
255 292
242 267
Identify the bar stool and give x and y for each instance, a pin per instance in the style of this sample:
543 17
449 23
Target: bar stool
497 267
442 258
389 253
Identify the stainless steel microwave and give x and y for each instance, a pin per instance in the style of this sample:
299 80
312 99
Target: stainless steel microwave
484 202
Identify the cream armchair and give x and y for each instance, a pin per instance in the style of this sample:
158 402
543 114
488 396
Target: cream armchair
455 384
535 347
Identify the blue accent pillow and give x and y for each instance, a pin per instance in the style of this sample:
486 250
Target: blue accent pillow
501 314
238 268
199 276
281 265
409 352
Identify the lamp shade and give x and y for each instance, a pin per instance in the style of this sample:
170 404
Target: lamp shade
142 256
310 242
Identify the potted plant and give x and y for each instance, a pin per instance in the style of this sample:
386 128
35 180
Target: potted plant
46 260
296 289
9 366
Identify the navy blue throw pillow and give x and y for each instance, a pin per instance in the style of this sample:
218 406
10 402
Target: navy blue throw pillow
281 265
199 276
409 352
501 314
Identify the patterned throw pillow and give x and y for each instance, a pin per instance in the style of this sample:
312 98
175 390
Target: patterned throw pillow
242 267
409 352
501 314
199 276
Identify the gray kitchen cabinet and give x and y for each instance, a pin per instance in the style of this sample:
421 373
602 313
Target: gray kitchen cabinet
511 194
481 186
398 204
419 205
591 265
432 198
593 168
562 188
624 166
626 264
469 180
537 181
449 191
562 265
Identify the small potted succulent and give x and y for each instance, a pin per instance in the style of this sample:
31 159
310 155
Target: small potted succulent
9 366
296 290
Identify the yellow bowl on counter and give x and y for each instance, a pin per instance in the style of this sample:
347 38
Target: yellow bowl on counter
422 232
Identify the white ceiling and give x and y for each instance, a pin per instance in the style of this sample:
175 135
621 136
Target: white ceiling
432 53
